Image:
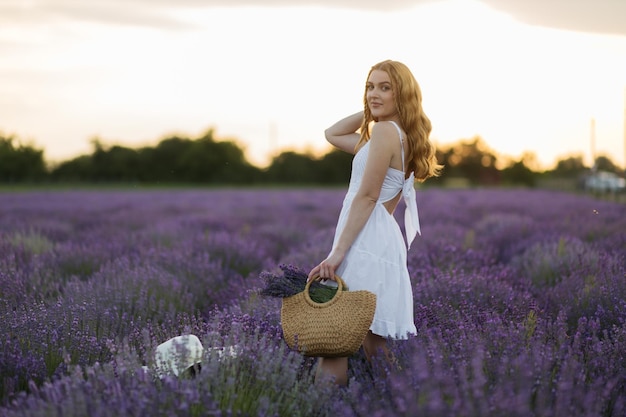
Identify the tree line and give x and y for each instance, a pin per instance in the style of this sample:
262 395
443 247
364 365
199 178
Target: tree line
205 160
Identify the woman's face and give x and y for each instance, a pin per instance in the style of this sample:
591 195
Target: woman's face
380 96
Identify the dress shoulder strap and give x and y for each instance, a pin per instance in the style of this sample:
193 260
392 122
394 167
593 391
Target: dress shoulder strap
401 142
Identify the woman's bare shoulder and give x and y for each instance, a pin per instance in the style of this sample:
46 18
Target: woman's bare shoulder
384 132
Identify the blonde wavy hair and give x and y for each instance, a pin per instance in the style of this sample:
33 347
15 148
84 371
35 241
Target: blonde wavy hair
408 99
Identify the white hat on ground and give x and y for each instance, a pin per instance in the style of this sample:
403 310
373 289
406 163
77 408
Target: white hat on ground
178 354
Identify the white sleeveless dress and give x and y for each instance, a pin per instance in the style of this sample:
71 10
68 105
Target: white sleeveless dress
377 260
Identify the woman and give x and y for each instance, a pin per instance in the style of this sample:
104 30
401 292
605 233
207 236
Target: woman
391 151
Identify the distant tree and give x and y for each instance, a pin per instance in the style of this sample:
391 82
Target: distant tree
603 163
292 168
173 160
116 164
569 167
19 162
163 163
471 160
298 168
334 167
78 169
519 173
207 160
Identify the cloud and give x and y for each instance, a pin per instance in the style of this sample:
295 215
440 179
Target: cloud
117 14
160 13
389 5
112 12
595 16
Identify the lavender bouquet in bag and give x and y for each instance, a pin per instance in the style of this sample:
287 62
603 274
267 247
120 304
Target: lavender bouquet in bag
292 281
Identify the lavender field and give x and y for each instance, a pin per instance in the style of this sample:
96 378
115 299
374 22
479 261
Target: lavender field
520 302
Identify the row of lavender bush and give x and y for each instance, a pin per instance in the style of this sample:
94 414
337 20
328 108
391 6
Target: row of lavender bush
520 301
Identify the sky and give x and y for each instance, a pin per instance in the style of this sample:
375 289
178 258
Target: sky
545 77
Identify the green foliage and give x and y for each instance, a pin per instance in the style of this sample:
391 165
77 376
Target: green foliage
547 264
519 174
334 166
530 325
205 160
19 162
292 167
571 166
603 163
472 160
173 160
32 241
116 164
295 168
78 169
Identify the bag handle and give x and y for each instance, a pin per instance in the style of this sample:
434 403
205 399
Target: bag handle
340 286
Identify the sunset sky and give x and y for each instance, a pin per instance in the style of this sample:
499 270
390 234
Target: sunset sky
523 75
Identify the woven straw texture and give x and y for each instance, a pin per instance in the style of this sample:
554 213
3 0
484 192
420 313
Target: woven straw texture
331 329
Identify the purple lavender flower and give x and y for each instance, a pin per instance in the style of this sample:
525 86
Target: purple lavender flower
519 301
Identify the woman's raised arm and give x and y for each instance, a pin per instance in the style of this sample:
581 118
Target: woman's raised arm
343 134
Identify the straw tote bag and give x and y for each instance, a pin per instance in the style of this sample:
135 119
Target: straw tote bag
332 329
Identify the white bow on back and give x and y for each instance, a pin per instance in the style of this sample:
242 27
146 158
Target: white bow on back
411 217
